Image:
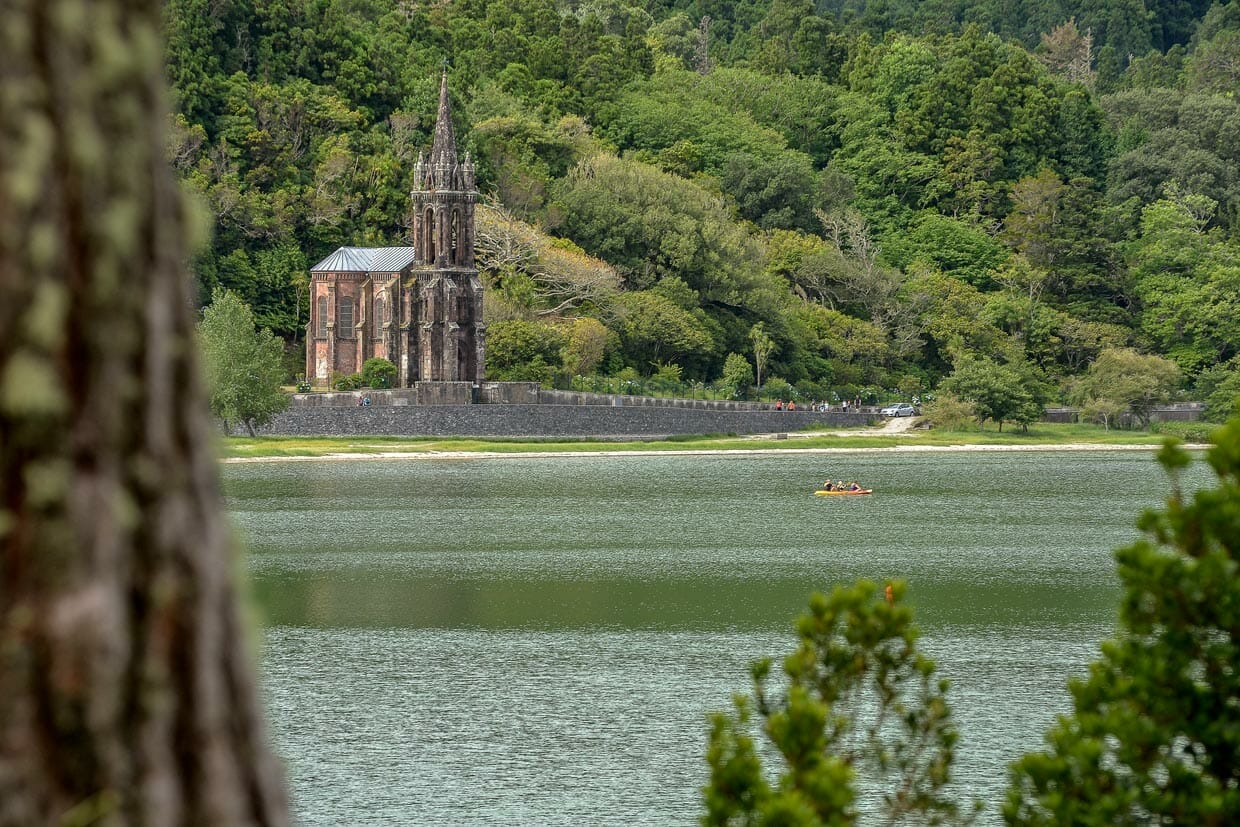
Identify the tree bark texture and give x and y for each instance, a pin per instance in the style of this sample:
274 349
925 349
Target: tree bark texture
127 691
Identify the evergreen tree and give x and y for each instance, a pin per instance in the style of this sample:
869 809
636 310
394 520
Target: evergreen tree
1154 736
862 706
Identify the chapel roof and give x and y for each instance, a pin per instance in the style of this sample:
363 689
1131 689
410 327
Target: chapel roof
366 260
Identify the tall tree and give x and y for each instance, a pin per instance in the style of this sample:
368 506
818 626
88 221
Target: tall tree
1131 380
1001 392
243 364
128 689
763 344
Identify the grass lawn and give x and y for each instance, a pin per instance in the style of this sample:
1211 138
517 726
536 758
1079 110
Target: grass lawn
1043 434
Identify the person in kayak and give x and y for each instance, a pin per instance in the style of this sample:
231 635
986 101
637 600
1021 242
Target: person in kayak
828 486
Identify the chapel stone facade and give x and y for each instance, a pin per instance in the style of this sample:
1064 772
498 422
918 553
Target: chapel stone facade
419 307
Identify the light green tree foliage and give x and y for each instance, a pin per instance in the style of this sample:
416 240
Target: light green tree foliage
519 350
1219 386
1002 392
1017 309
862 706
950 315
1188 279
1102 411
1125 378
585 345
737 374
243 364
947 122
536 273
737 112
654 330
843 341
950 245
1034 224
1078 342
1154 736
800 107
861 285
650 224
517 151
946 412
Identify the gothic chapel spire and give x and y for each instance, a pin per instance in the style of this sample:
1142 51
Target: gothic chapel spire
443 149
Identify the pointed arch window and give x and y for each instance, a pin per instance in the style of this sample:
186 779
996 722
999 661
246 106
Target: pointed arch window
455 240
346 317
428 224
379 318
321 321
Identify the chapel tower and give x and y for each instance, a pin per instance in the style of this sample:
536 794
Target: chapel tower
449 344
419 307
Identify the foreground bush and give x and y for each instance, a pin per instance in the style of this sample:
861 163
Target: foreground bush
1154 737
861 703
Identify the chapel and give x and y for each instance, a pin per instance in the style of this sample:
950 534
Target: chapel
419 307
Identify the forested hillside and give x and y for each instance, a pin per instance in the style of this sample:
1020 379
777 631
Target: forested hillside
889 191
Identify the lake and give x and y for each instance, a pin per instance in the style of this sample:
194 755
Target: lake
538 641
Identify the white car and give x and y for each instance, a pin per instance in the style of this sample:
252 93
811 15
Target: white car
899 409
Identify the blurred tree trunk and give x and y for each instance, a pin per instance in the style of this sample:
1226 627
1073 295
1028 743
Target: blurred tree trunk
127 691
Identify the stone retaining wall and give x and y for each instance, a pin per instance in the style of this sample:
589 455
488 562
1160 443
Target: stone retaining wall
543 420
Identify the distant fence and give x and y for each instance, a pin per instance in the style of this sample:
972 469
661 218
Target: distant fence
1177 412
510 393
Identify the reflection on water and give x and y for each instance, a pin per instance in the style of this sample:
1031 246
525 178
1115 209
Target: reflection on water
538 641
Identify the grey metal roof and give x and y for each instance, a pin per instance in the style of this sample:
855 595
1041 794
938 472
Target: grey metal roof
391 259
366 260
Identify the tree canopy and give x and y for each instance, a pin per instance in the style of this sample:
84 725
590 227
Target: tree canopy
1023 182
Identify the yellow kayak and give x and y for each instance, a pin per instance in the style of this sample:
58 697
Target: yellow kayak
824 493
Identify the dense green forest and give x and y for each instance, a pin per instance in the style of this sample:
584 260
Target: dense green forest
877 193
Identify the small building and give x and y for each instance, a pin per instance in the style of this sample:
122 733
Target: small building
419 307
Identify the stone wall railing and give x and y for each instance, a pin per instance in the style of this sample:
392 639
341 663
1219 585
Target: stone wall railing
554 397
506 393
1177 412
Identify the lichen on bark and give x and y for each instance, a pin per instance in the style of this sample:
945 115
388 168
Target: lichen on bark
129 695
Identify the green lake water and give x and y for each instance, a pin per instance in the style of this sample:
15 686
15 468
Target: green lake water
535 641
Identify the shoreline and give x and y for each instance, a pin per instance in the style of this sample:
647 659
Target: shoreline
457 455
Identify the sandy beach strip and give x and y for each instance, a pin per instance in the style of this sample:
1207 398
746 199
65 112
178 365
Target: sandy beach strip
458 455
